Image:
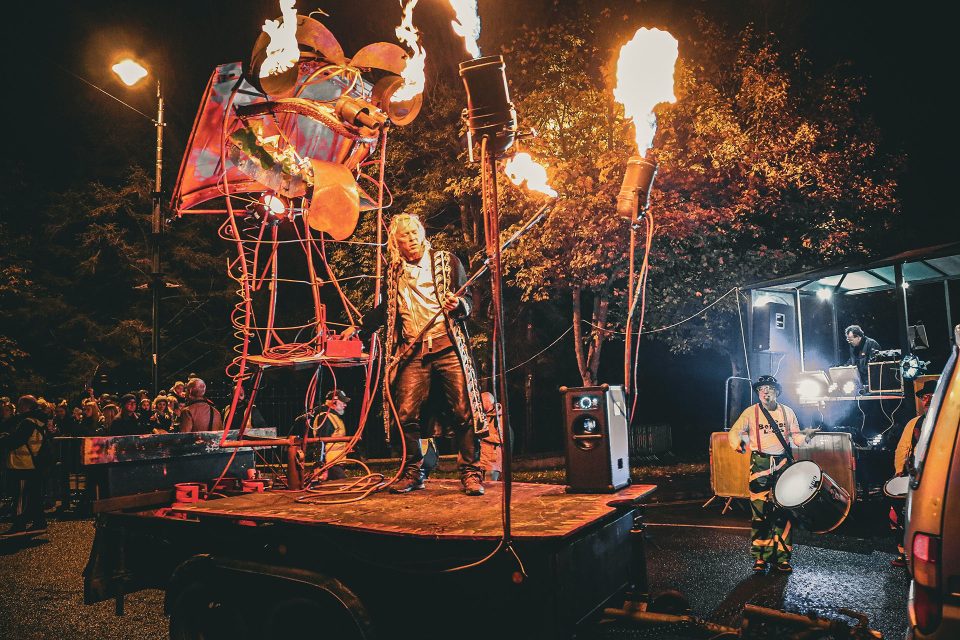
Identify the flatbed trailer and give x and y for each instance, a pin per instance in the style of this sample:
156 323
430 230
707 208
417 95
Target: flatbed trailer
427 564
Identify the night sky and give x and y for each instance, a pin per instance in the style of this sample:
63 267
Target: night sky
86 135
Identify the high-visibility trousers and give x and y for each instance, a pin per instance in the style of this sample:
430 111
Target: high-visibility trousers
770 527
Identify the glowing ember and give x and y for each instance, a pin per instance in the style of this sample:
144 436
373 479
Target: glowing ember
283 51
129 71
521 167
467 24
413 76
645 79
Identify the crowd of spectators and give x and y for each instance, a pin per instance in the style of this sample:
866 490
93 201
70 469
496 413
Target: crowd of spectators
183 408
29 425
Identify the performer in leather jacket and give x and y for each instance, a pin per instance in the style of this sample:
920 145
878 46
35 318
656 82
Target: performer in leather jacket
426 343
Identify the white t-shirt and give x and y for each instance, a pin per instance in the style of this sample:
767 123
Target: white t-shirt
417 300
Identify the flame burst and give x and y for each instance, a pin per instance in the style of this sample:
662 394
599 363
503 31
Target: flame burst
413 73
645 79
467 24
283 51
522 167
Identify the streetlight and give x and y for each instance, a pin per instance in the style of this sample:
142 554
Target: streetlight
130 73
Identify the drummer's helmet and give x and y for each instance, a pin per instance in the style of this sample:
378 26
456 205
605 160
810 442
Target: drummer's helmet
767 380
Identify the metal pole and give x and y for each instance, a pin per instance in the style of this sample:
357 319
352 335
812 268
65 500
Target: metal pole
946 302
796 303
156 235
499 369
903 320
627 353
834 328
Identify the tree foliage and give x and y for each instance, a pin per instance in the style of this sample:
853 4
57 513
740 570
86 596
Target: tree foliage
767 166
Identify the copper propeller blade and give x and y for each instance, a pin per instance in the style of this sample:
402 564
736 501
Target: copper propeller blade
335 205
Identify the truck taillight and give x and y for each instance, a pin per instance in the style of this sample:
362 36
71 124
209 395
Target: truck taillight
927 605
926 560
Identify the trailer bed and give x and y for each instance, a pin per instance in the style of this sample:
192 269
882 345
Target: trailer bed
441 510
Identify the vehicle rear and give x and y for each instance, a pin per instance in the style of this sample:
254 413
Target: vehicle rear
932 532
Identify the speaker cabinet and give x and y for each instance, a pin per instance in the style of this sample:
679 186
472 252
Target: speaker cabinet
595 424
773 328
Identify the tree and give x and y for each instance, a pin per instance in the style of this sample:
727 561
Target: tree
75 294
767 166
578 252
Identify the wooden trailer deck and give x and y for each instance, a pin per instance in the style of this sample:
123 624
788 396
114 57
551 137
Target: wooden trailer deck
440 511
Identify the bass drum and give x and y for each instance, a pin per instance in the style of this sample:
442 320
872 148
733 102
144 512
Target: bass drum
812 496
896 487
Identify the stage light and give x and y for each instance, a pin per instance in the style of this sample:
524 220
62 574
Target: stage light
811 385
825 293
807 389
911 366
849 387
489 111
130 72
876 440
269 206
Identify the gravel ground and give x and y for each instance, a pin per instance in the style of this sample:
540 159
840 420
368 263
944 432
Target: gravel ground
41 592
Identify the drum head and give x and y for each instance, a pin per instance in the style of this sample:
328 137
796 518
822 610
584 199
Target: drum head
797 484
897 487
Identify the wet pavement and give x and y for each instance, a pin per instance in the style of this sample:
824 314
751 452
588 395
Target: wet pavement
706 557
698 551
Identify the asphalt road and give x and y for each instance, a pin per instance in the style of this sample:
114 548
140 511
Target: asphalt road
697 551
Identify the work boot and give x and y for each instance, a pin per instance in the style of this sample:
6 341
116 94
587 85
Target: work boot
759 566
472 483
412 479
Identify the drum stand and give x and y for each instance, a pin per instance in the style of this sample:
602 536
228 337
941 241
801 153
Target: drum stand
727 506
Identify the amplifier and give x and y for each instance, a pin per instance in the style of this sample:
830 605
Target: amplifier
884 377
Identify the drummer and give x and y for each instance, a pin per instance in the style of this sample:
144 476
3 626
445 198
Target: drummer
770 527
903 461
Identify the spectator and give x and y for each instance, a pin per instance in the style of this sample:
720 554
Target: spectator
92 423
255 420
491 454
63 422
7 412
179 391
109 413
128 424
199 414
176 410
27 455
161 420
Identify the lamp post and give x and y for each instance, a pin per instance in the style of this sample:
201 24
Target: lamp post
130 73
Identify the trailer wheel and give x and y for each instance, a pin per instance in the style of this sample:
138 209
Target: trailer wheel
199 614
317 615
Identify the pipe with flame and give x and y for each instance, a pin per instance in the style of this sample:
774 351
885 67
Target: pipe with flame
413 73
644 79
283 51
523 168
467 24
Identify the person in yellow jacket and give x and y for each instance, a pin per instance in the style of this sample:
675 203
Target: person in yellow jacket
770 527
26 455
903 461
